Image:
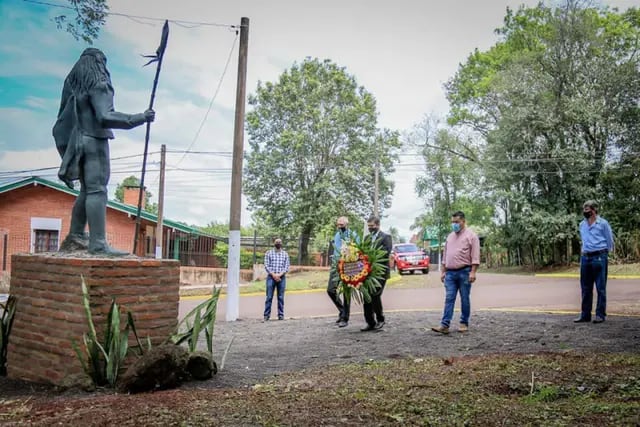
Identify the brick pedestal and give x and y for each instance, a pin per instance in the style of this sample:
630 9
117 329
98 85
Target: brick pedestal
50 312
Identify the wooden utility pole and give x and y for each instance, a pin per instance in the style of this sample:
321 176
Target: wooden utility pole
233 268
163 154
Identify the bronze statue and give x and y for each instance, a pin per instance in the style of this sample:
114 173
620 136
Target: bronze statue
82 134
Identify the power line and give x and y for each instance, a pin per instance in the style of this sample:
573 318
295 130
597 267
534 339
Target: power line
571 156
214 153
179 22
27 171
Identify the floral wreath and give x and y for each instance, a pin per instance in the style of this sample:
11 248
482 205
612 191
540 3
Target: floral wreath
360 269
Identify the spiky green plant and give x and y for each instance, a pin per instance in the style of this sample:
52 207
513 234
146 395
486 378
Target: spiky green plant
102 361
201 318
6 322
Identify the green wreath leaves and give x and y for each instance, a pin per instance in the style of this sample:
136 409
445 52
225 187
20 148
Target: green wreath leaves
369 261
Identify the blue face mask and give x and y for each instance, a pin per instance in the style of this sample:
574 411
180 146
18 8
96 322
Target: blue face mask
455 226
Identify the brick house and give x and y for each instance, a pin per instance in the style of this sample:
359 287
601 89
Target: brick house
35 214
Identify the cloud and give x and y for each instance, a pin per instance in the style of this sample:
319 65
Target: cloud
25 129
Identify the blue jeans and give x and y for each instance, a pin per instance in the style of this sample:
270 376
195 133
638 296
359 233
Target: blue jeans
594 269
454 282
271 285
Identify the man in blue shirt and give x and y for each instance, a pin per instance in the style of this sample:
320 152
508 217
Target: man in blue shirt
342 236
597 242
276 263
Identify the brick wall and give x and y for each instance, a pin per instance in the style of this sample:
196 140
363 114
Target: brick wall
18 206
50 312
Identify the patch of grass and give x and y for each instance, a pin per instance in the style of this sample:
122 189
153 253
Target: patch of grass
568 389
307 280
546 393
520 270
614 269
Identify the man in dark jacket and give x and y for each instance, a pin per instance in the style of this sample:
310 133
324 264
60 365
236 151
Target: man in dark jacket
82 133
373 313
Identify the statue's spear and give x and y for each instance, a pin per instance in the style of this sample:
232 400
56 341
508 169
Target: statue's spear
154 58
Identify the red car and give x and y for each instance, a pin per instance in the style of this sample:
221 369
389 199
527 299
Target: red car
407 257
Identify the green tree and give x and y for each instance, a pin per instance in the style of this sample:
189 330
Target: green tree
132 181
90 16
395 235
314 146
452 179
555 102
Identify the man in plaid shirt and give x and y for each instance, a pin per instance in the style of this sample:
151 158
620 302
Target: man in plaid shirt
276 263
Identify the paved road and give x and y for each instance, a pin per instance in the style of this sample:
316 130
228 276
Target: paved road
492 291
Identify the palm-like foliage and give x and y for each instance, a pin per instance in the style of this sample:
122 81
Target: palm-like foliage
102 361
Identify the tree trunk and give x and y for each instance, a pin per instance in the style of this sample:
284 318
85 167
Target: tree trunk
303 248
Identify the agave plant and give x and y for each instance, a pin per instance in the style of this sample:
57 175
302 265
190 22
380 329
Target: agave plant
102 361
8 310
201 318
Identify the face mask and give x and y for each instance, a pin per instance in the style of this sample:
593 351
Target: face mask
342 229
587 214
455 227
278 245
372 230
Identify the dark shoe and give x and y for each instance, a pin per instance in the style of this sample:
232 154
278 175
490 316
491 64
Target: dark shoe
598 319
339 320
441 329
581 320
368 328
266 319
379 325
280 317
342 323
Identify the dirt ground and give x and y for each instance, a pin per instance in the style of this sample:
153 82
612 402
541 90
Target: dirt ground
257 351
261 350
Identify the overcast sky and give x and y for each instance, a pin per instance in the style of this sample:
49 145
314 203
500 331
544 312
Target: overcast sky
401 51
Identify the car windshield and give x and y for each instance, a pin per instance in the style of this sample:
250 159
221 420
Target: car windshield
406 248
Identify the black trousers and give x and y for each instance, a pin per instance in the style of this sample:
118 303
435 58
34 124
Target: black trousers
373 310
332 290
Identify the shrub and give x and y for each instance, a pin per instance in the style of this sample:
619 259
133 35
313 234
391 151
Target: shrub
201 319
102 361
246 256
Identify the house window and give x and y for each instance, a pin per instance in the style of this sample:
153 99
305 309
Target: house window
46 241
45 234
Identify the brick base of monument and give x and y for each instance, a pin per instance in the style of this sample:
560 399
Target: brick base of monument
50 312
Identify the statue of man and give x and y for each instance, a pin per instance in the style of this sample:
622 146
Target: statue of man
82 134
